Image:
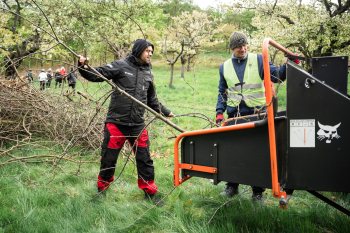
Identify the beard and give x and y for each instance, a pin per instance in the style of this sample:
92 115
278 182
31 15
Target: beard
146 60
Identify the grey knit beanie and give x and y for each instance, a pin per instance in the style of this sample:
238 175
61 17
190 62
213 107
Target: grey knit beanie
237 39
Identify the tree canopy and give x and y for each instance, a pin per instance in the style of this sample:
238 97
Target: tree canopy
102 29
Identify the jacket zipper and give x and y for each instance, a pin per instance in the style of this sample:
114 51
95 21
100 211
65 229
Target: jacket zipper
132 105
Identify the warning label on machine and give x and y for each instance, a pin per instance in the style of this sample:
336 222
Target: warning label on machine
302 133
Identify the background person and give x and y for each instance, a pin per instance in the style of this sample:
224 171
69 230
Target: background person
49 78
42 79
125 120
58 78
242 91
72 79
29 76
63 74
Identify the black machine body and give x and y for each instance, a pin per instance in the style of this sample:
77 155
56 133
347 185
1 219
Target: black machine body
312 138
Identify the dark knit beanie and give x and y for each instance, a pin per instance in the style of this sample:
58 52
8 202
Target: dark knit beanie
237 39
140 46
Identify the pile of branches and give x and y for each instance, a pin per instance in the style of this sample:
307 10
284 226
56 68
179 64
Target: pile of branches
25 112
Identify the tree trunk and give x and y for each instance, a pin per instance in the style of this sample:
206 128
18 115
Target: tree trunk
183 63
273 56
188 64
183 70
227 42
172 74
30 59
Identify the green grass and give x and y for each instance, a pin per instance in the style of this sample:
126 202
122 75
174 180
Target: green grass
33 198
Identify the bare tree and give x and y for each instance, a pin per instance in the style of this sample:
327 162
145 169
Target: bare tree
20 46
172 62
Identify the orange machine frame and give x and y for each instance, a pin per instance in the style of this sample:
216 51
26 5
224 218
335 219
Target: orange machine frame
271 127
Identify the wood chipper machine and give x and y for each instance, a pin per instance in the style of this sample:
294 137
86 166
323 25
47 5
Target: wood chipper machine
305 147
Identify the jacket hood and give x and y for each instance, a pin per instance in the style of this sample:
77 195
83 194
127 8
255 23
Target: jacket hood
139 46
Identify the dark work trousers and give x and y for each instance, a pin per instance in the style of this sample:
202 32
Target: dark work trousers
254 188
73 87
114 138
58 80
42 85
48 84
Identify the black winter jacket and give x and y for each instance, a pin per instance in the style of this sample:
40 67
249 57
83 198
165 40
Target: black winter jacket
58 76
136 80
72 77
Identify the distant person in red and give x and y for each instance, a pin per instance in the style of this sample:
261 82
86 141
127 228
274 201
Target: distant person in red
63 74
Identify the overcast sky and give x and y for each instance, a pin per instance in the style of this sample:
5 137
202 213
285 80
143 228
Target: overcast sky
205 3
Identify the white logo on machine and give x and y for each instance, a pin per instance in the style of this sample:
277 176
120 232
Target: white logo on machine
327 131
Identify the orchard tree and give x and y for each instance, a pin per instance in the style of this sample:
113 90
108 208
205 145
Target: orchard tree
105 28
227 31
176 7
197 29
315 29
20 38
172 45
240 18
97 29
189 30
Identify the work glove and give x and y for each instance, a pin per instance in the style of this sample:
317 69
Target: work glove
219 119
296 61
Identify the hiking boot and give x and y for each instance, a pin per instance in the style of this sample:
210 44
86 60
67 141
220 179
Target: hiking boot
230 191
101 192
154 198
258 198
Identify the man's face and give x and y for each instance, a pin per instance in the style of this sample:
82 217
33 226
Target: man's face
146 55
240 51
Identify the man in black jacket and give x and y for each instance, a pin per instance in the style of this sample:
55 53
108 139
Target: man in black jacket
125 117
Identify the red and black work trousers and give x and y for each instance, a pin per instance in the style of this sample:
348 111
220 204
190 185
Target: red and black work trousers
114 138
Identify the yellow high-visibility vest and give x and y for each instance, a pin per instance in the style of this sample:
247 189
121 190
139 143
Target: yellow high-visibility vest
252 91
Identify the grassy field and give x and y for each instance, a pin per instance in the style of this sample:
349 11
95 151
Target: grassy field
31 202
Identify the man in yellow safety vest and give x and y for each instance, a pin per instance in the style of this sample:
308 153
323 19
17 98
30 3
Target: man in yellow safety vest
242 91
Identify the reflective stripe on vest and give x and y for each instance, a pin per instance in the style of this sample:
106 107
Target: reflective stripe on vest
252 91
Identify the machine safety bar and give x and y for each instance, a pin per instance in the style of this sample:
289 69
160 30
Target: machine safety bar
270 115
198 168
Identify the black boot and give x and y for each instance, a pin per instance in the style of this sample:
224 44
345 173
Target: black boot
154 198
258 198
230 191
101 192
